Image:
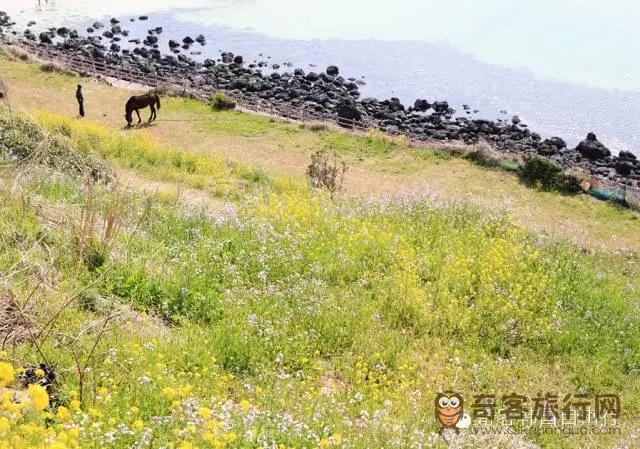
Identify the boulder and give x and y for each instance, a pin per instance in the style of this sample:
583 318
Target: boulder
45 38
188 40
348 110
333 70
549 147
238 59
624 167
143 18
440 106
592 149
627 155
3 90
421 105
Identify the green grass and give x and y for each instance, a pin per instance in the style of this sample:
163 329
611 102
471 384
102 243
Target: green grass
295 308
233 123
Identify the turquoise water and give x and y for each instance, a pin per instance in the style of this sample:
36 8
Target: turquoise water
566 68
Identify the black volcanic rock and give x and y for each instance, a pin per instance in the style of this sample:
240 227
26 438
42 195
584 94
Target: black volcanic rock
333 70
440 106
549 147
150 40
421 105
624 167
627 155
312 76
45 38
591 148
347 110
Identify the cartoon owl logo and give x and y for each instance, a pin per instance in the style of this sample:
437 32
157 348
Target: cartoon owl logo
450 411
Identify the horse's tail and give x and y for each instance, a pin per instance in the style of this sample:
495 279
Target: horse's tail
157 101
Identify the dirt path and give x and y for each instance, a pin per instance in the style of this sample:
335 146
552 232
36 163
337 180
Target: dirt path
283 149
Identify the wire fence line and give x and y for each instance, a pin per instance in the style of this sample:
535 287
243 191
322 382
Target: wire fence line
602 189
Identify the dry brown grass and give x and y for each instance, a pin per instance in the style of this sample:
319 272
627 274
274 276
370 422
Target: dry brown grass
16 324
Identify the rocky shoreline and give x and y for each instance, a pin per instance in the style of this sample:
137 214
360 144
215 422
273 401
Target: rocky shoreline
325 93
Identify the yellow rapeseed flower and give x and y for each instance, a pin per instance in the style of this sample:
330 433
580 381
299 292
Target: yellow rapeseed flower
7 374
4 424
63 413
38 396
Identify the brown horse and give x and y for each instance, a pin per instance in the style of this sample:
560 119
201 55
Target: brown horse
140 102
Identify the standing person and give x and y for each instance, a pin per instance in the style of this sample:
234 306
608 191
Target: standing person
80 99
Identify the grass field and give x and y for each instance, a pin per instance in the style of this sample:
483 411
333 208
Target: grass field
276 316
378 166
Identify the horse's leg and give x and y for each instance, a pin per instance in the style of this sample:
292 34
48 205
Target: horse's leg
139 118
152 117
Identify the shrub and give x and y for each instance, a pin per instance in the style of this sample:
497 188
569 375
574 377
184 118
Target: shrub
220 102
543 171
548 175
325 172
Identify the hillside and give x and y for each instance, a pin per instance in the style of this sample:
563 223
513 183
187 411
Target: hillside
193 291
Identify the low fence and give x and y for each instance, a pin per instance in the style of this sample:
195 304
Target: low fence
618 193
605 190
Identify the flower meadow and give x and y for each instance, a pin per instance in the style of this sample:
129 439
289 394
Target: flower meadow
289 319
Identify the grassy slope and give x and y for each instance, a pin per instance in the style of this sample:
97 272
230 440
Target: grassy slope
379 167
282 316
